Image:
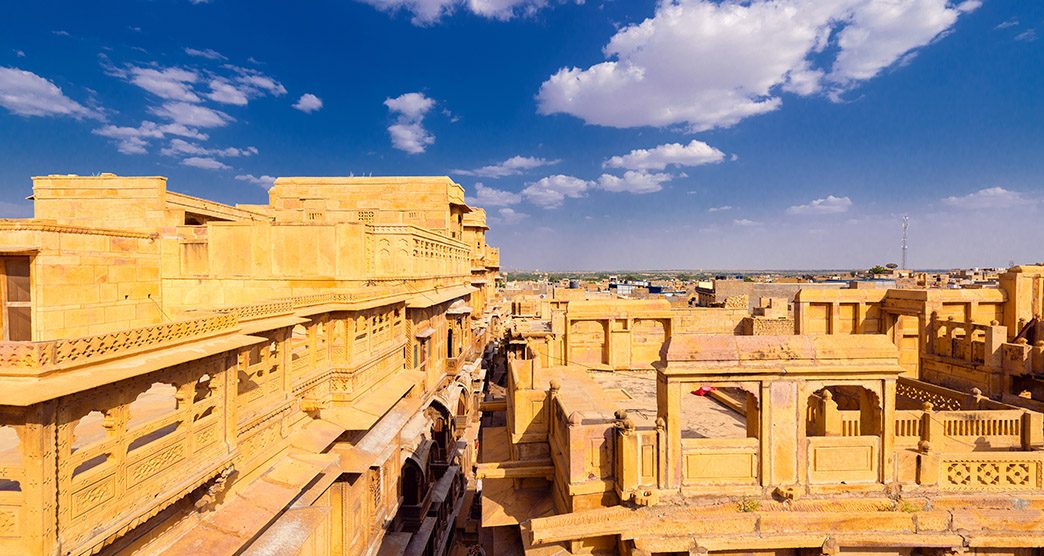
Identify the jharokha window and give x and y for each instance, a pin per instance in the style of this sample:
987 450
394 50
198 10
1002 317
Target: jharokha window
14 290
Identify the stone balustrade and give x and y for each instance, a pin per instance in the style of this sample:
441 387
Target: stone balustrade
38 358
139 444
403 250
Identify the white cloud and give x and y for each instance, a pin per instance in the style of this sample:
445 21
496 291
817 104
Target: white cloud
191 115
26 94
745 222
205 163
722 208
696 153
510 167
256 83
411 138
20 53
490 197
223 91
246 84
131 140
1027 36
551 191
230 85
706 64
827 205
180 147
1013 22
182 131
135 140
167 83
427 12
413 106
308 103
408 133
208 53
988 198
510 216
632 181
261 181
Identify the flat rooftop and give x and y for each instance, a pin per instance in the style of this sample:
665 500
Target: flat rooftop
702 416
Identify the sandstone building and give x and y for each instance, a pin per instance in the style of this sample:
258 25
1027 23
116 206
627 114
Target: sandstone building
883 421
336 373
180 376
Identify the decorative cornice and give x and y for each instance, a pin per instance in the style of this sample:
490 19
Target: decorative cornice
44 226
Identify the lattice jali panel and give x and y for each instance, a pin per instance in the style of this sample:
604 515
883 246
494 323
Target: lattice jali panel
140 471
25 355
991 474
249 312
79 349
93 495
939 402
146 448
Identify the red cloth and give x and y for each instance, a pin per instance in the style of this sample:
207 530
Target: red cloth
703 390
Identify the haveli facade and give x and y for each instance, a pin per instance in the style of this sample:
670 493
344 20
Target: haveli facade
880 421
180 376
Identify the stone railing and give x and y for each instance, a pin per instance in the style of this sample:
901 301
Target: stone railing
404 250
908 427
972 343
912 394
1021 358
34 358
105 460
1011 471
970 431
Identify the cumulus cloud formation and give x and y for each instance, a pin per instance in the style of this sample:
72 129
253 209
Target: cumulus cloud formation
510 216
705 64
308 103
632 181
988 198
408 133
24 93
261 181
827 205
134 140
696 153
491 197
427 12
183 94
191 115
229 85
166 83
552 191
510 167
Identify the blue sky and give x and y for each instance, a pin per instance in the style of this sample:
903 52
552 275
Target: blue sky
604 134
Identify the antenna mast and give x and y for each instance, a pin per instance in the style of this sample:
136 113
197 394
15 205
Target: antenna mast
902 243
